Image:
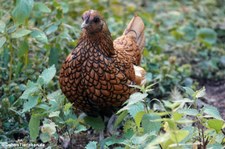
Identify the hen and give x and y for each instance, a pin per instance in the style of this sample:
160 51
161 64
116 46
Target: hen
96 76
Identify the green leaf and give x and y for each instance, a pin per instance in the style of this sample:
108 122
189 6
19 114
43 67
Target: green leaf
2 41
138 118
54 56
50 128
177 116
95 122
112 140
91 145
207 36
48 74
139 139
189 91
178 135
5 103
43 106
2 26
45 137
120 118
149 76
178 35
56 96
40 81
172 105
67 109
170 124
54 114
22 10
54 104
32 102
20 33
212 112
51 29
191 131
192 112
149 123
135 108
188 32
129 125
220 137
41 7
158 140
222 60
215 124
136 97
80 128
64 6
34 125
6 58
200 93
11 29
184 121
215 146
67 106
39 36
73 123
31 88
23 48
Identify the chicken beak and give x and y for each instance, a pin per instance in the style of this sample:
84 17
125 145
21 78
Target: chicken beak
84 25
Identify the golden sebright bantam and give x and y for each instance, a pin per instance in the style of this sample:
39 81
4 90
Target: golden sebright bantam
96 76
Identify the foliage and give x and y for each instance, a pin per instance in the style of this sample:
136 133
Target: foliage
184 45
175 117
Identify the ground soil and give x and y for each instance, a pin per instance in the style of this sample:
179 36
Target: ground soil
215 95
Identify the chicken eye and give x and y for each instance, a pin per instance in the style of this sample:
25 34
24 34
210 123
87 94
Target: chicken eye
96 19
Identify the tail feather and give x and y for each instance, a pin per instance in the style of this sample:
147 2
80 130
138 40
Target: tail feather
135 29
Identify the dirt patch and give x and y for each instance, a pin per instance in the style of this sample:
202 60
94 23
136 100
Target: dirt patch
83 139
215 95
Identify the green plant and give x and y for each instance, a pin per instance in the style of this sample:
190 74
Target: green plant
177 123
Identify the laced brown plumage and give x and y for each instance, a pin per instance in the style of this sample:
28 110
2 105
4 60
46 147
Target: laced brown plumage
96 75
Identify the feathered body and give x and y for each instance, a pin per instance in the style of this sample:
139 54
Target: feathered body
96 76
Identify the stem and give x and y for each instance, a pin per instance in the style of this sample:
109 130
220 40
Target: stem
11 61
44 93
203 138
176 139
146 106
195 103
